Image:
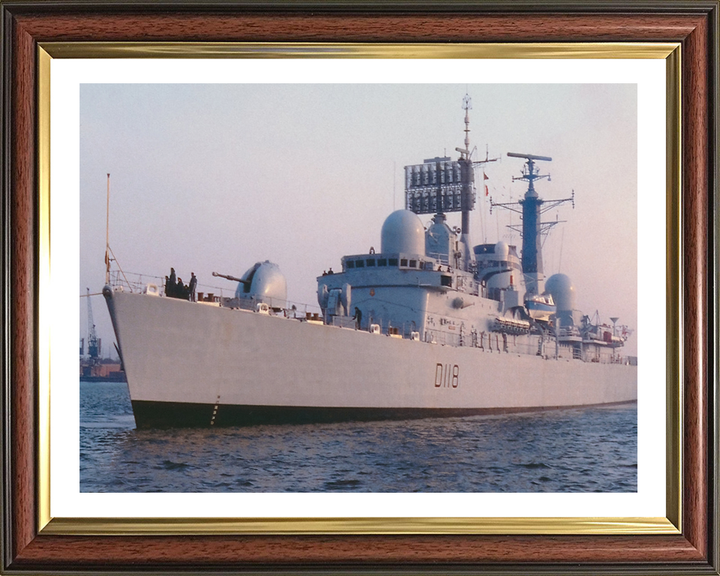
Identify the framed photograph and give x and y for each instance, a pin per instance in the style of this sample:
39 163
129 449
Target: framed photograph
309 171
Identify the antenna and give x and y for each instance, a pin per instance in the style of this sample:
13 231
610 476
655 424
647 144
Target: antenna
108 250
107 235
530 174
467 196
467 106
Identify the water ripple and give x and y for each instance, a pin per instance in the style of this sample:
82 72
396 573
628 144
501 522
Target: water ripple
573 450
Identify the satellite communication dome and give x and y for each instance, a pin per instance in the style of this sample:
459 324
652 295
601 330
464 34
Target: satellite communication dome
264 282
501 251
403 232
562 290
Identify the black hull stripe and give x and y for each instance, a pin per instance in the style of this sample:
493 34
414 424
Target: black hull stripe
188 415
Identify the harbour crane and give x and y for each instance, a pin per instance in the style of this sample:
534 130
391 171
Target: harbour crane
93 340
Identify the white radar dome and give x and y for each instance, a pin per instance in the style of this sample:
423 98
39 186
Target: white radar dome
403 232
562 290
501 251
264 282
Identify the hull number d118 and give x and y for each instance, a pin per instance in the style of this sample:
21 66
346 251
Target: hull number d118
447 375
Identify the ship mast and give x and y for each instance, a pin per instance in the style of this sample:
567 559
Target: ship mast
440 185
109 255
107 235
467 174
532 207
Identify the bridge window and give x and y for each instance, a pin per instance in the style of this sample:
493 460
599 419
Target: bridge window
359 264
370 261
393 261
413 263
350 264
403 261
445 280
382 261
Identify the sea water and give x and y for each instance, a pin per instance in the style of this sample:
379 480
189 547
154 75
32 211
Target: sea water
568 450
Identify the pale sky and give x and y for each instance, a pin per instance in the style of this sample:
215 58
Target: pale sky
217 177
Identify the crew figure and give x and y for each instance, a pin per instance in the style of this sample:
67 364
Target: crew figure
171 284
181 291
357 317
174 287
192 285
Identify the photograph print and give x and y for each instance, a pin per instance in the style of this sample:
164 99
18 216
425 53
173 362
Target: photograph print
358 288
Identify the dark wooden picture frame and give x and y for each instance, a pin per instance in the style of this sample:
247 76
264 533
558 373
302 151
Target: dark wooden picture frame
26 25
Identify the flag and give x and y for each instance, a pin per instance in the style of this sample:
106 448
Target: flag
485 176
486 190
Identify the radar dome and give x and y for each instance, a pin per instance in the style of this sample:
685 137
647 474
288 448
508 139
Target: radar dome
501 251
264 282
562 290
403 232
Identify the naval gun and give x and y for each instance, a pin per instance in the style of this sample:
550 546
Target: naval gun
262 282
231 278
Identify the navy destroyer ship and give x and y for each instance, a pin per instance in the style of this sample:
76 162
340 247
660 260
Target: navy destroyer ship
428 326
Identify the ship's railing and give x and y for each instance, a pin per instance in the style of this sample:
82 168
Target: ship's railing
489 341
138 282
206 292
133 281
396 329
592 357
442 337
592 354
569 332
277 307
298 310
498 342
344 321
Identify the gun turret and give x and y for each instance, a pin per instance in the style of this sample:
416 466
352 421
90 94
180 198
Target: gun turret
232 278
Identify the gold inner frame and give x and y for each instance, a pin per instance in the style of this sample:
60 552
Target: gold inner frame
671 524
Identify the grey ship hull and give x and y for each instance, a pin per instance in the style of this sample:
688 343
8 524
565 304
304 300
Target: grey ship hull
193 364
